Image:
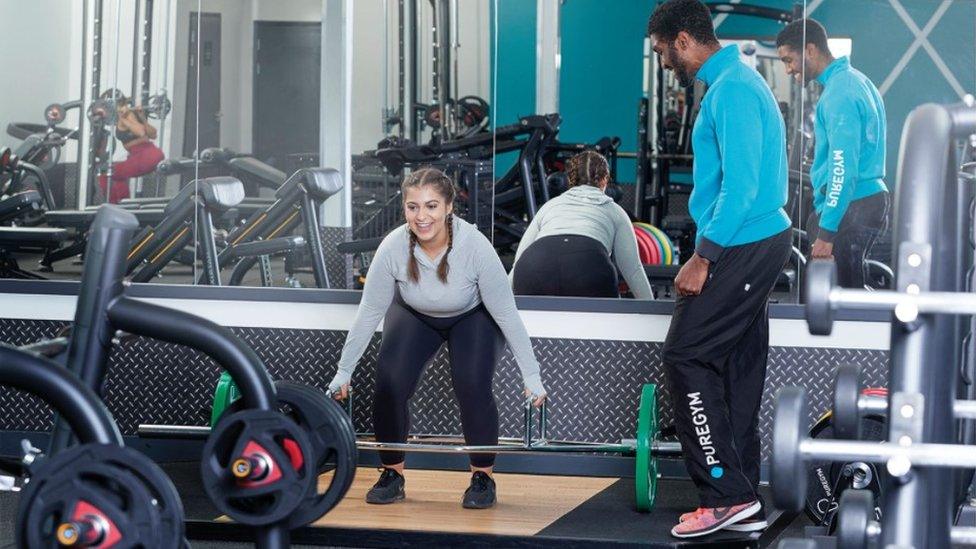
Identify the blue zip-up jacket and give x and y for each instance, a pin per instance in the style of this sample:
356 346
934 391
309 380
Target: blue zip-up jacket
849 158
740 173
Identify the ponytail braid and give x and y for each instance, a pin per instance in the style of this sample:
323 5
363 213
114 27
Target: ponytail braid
444 268
413 270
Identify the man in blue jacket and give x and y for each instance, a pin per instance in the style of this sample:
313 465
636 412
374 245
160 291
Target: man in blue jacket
850 199
716 349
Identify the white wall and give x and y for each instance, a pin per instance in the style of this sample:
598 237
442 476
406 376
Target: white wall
39 42
50 69
474 75
237 60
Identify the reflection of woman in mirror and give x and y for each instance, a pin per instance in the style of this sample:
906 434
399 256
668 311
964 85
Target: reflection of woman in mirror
435 280
135 133
567 248
850 197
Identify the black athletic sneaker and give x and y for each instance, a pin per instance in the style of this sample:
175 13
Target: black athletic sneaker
388 489
481 493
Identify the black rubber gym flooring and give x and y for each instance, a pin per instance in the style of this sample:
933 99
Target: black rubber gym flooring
606 519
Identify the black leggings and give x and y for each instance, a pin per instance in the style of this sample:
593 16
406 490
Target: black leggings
410 340
566 265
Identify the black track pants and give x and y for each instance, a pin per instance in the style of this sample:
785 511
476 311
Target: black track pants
864 223
410 340
715 357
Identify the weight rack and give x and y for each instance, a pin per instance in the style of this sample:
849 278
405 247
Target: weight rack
931 294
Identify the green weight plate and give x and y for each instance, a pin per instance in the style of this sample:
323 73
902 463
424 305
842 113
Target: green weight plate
645 473
225 393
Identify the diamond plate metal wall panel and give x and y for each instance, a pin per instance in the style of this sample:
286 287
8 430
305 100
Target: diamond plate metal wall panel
19 410
594 385
339 266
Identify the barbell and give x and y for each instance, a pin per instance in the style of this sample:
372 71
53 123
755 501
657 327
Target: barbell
645 447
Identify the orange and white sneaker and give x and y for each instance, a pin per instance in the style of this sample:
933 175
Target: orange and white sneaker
751 524
706 521
686 516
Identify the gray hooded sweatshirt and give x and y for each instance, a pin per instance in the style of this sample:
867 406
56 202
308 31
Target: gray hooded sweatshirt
587 211
476 276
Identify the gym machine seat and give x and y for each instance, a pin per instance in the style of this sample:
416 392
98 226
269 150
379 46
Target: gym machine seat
26 238
264 174
221 193
80 220
31 237
15 205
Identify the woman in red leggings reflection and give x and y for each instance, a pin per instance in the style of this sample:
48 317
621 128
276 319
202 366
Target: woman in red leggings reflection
135 133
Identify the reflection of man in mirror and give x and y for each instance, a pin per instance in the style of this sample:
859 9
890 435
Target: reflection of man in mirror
850 199
716 349
135 133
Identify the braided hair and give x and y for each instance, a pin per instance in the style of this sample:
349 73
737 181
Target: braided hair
587 168
444 186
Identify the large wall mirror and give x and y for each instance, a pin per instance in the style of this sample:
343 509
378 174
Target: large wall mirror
139 100
103 121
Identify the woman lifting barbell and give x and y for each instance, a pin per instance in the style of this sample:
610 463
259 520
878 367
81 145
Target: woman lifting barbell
133 130
427 300
566 249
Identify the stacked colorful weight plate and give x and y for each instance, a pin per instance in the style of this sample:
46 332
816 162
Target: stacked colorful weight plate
647 247
654 246
667 247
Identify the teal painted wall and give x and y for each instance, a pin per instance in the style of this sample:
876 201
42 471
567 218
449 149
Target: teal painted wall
514 82
600 78
880 38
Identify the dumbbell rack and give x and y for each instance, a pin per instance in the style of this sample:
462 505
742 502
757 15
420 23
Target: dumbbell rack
932 257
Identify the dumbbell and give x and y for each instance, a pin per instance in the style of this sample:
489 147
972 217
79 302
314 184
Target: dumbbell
850 404
824 298
857 526
792 449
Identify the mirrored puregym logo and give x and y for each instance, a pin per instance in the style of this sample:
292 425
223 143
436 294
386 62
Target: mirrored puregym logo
836 180
704 432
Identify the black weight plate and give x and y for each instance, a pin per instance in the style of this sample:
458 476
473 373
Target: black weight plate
267 502
823 476
333 440
167 499
119 482
821 277
787 472
847 391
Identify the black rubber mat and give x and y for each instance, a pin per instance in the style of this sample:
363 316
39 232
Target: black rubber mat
610 515
186 477
8 518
